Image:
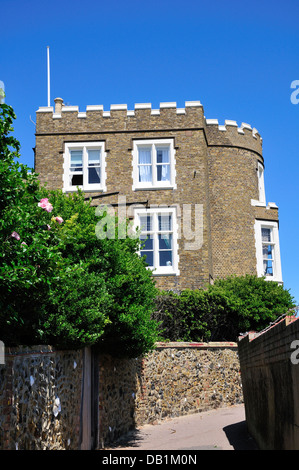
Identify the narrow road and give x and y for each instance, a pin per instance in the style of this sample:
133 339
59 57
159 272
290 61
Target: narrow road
221 429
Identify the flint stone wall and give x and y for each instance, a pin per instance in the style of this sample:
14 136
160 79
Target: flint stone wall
173 380
40 399
41 391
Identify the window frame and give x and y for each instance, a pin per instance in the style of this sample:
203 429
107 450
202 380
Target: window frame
261 183
154 183
261 201
84 147
155 232
266 244
276 264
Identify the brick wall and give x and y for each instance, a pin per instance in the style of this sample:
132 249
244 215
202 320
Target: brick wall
215 168
270 381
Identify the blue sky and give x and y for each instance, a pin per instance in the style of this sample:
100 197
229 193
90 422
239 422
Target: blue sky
238 58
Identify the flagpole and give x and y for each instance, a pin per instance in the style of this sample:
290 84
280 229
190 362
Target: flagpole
48 60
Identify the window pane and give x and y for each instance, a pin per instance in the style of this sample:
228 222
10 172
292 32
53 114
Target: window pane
266 234
267 251
165 258
145 173
144 156
165 241
76 180
94 175
162 155
76 160
163 172
268 267
145 222
165 222
149 257
146 243
94 157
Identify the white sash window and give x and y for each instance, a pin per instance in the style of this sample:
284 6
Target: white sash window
84 166
153 164
267 250
158 235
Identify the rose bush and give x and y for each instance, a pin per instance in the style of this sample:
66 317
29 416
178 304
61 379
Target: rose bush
60 284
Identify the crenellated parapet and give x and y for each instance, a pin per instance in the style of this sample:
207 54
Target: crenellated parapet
95 118
232 135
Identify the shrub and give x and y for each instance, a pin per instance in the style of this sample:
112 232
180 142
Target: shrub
129 287
59 283
184 316
222 311
248 303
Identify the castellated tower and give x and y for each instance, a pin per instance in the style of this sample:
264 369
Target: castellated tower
194 187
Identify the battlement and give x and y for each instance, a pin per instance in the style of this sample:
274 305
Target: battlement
229 123
95 119
230 134
60 108
65 119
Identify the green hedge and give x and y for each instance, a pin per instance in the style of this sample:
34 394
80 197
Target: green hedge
222 311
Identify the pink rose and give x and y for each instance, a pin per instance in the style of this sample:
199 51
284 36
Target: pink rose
15 235
24 243
59 220
49 207
45 204
48 227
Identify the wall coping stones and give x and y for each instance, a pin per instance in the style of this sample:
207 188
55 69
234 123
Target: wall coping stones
210 345
47 349
285 320
119 107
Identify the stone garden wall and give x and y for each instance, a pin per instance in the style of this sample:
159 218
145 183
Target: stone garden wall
40 399
41 392
173 380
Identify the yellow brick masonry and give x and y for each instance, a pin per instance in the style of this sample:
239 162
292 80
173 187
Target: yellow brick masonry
215 167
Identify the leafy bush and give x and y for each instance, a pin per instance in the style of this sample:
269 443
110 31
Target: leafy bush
184 316
27 261
129 287
251 303
224 310
59 283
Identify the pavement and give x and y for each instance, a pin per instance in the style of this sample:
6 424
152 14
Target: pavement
221 429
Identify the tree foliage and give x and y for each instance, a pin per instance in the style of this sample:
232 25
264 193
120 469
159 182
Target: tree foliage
59 283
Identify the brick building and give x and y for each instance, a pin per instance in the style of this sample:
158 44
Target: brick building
194 187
